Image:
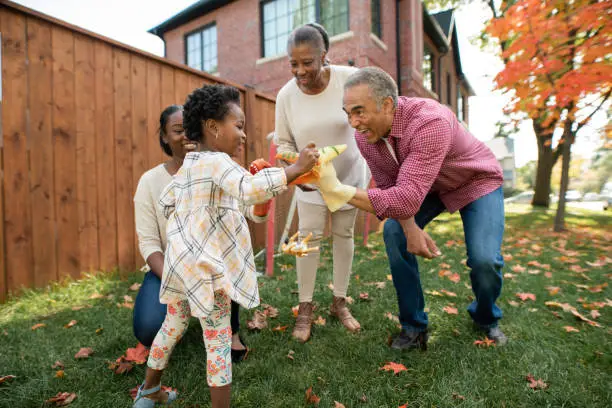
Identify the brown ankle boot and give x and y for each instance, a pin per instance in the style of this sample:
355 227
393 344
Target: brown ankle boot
303 322
339 309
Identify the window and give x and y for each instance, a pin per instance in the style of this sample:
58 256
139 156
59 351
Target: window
428 69
334 16
201 49
280 17
376 18
460 108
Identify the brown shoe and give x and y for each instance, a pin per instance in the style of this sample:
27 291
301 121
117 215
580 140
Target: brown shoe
303 322
339 309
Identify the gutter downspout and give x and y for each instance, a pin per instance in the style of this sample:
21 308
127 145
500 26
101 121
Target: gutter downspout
397 48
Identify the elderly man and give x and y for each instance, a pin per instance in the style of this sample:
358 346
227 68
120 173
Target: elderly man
424 162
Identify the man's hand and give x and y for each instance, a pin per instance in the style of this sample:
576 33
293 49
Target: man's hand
419 242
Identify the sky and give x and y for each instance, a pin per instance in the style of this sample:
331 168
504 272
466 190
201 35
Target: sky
127 21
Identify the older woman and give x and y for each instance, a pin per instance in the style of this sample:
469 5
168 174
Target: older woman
309 108
149 313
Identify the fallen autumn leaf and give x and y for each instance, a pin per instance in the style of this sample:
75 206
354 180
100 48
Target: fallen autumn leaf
62 399
395 367
84 352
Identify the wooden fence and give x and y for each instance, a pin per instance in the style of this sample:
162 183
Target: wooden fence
79 118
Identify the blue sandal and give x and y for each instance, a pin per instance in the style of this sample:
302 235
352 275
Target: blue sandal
142 402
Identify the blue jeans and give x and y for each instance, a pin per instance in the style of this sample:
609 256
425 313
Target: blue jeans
483 227
149 313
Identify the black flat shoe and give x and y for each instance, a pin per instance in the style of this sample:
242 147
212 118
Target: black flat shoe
407 341
239 355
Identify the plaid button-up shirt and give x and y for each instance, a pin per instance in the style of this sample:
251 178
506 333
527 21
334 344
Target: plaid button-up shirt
209 245
434 153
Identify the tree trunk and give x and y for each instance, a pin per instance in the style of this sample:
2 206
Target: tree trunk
568 139
546 161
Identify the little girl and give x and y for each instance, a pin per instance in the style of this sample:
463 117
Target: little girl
209 257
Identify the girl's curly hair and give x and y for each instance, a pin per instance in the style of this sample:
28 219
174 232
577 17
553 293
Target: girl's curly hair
207 102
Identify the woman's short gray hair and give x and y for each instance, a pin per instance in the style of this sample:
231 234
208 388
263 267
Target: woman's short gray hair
381 84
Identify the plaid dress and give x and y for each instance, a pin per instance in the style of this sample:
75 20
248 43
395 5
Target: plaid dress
209 245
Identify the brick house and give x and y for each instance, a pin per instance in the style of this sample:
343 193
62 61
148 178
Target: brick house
245 40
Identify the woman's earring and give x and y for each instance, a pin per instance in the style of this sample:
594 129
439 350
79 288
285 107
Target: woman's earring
217 134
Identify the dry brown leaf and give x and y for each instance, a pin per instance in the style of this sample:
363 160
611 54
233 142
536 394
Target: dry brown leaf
330 286
455 278
350 300
58 364
120 366
444 272
444 265
294 310
450 310
84 352
598 288
127 305
70 324
269 311
258 322
96 296
311 398
6 378
99 330
59 374
548 274
389 277
456 333
391 317
138 354
338 405
459 397
62 399
448 293
526 296
571 329
553 290
518 269
509 276
364 296
534 384
38 326
280 328
565 306
363 398
584 319
595 314
513 303
320 321
136 286
395 367
290 354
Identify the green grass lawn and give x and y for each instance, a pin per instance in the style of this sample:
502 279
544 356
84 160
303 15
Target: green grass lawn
342 367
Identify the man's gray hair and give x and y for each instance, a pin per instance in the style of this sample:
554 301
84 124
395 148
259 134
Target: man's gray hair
381 84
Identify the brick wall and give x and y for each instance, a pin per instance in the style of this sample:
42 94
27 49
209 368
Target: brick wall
239 43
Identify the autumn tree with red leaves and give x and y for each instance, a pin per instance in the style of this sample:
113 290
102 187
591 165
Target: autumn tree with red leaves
558 70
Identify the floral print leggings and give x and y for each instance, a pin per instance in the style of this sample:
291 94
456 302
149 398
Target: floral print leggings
217 339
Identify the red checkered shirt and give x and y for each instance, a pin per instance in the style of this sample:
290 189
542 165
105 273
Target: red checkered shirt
436 154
